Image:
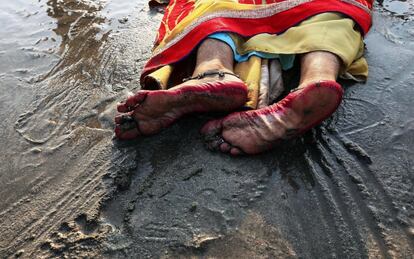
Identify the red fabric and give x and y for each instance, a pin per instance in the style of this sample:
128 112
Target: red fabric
174 13
247 27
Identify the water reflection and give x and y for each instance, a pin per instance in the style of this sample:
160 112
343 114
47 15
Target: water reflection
400 8
71 17
35 33
78 23
51 129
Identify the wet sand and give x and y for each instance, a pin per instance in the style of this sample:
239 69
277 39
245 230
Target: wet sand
68 189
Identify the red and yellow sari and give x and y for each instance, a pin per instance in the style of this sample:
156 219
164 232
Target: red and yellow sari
187 22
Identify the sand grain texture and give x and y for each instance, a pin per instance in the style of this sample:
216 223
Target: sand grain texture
68 190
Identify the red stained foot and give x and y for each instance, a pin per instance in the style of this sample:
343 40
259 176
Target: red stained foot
255 131
148 112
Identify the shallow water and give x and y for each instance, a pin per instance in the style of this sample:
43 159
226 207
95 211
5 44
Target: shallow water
67 189
403 8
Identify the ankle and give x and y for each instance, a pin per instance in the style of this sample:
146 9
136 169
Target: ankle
310 80
208 66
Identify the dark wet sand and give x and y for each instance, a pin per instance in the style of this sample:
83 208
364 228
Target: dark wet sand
68 190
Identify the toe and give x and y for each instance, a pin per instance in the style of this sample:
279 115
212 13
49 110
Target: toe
126 134
137 98
132 101
126 127
235 151
211 129
124 118
225 147
123 107
211 132
214 144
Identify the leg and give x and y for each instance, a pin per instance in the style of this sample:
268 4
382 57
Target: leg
318 66
147 112
252 132
214 55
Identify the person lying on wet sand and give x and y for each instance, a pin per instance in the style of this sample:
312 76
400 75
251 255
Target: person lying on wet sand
240 49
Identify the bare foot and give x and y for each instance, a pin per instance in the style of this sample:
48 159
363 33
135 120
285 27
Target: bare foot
148 112
255 131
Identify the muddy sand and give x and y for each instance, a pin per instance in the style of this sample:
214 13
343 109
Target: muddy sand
68 190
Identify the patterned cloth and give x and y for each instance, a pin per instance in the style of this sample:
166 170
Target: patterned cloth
260 34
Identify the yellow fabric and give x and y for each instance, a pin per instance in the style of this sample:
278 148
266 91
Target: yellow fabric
359 69
324 32
249 72
159 77
327 31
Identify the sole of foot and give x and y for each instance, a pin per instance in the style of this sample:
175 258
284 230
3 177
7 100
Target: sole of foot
256 131
148 112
